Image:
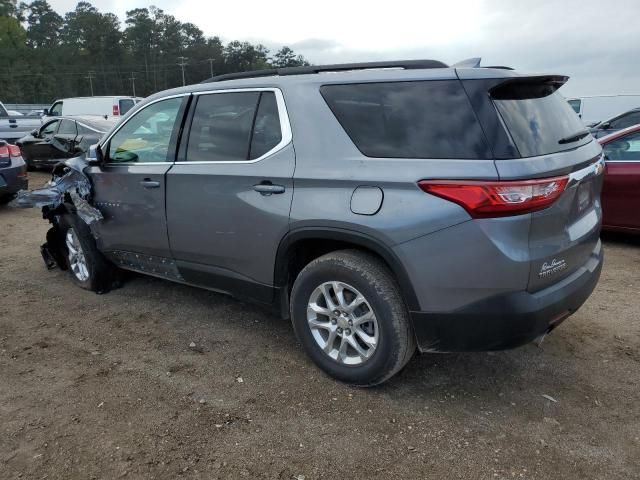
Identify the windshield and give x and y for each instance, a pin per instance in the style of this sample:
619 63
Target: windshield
540 125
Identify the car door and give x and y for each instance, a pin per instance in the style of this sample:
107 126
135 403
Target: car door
39 147
621 190
230 192
129 186
63 141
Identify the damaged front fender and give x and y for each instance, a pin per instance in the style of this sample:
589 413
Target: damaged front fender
68 184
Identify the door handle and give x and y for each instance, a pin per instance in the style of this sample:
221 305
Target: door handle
148 183
268 188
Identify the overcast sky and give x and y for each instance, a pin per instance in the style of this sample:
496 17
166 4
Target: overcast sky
596 43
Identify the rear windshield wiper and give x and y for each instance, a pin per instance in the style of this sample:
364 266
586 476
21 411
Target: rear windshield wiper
575 137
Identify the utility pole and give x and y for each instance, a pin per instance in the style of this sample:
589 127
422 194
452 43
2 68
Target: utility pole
91 76
183 62
211 66
133 83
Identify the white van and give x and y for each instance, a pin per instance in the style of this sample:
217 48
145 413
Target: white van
595 108
112 106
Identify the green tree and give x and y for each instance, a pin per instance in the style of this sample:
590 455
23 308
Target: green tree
43 24
285 57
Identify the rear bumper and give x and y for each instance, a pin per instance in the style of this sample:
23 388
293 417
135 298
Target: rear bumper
11 182
507 320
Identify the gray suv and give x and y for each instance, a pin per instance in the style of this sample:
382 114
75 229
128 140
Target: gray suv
382 207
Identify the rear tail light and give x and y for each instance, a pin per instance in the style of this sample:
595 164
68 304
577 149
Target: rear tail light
116 110
9 151
498 199
14 151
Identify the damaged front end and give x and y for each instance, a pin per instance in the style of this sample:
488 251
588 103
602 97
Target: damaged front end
68 191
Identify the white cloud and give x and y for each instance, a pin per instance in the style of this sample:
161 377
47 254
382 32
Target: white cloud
571 36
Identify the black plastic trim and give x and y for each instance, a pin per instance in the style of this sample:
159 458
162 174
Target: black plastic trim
348 236
337 67
504 321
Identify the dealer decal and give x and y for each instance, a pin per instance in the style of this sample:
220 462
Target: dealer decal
552 267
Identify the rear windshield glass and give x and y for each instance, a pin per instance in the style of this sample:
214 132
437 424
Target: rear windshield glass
541 125
422 119
125 106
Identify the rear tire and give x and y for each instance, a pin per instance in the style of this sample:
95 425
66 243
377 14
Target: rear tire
330 301
88 268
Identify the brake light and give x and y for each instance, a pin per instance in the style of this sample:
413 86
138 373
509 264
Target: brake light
116 110
14 151
483 199
4 151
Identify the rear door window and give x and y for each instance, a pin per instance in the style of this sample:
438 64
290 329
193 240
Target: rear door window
49 129
68 127
221 127
421 119
539 122
267 132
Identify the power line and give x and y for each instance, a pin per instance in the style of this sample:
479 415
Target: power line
183 62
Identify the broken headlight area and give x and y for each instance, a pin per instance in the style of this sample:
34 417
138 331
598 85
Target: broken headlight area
68 191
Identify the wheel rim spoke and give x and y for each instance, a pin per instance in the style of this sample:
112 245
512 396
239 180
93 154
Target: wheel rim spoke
77 260
338 326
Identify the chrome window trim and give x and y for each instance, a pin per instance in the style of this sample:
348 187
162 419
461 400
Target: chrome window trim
285 126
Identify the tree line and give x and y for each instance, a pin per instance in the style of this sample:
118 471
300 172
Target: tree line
44 55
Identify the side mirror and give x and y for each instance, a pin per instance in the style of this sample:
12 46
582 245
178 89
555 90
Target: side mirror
34 132
604 125
94 155
45 112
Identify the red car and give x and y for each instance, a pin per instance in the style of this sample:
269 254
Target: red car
621 190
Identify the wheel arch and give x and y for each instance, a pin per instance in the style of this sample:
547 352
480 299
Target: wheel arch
335 239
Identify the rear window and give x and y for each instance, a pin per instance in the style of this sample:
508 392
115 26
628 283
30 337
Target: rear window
125 105
422 119
539 122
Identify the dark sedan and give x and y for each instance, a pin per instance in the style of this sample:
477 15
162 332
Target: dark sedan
62 138
621 190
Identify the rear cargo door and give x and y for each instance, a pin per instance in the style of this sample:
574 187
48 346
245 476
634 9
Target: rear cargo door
553 142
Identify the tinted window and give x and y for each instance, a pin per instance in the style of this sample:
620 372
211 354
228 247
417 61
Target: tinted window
537 125
49 129
625 148
221 127
627 120
125 106
56 109
145 137
426 119
68 127
575 104
266 130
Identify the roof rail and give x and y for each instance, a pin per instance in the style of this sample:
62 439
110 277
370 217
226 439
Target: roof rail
338 67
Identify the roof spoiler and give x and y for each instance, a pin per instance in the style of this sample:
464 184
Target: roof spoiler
474 62
519 88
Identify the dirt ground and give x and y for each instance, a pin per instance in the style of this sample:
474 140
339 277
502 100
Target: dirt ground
108 386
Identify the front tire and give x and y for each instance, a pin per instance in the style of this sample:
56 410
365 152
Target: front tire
348 313
88 268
